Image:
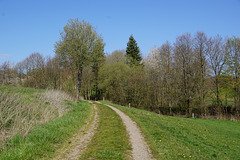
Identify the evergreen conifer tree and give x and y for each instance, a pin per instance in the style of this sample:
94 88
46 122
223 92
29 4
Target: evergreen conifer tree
132 52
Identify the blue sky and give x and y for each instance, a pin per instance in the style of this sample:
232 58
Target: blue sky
28 26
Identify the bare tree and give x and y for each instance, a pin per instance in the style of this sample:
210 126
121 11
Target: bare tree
52 73
37 63
116 57
233 67
183 56
153 67
159 64
217 59
19 67
200 49
167 76
6 73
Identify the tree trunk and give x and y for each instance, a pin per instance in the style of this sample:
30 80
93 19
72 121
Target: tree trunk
218 100
96 94
203 88
204 103
79 77
170 108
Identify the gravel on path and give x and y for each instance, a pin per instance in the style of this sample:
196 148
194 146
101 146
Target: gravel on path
140 149
79 142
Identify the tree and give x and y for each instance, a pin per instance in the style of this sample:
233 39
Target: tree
159 64
116 57
153 69
133 52
20 71
113 80
37 62
34 68
97 61
167 69
200 48
6 72
233 66
136 86
184 65
52 73
217 59
87 83
78 42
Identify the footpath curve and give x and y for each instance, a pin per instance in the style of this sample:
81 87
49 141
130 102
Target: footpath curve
140 149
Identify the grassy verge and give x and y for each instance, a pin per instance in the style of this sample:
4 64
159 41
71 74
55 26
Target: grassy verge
42 141
110 140
186 138
23 108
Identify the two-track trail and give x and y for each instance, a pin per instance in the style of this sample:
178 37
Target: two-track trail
75 147
79 142
140 149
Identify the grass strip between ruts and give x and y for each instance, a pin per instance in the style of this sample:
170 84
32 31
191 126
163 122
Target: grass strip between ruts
111 140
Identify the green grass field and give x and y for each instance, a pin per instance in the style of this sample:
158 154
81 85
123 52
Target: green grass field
43 140
111 139
168 137
187 138
21 109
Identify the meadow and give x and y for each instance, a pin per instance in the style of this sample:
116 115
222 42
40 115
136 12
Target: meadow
34 123
187 138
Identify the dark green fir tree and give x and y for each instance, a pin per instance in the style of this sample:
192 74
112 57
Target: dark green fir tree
132 52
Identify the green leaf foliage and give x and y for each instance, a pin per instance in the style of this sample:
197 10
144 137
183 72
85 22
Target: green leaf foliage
80 46
79 43
113 80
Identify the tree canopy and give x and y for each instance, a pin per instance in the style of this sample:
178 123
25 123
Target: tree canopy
196 74
79 46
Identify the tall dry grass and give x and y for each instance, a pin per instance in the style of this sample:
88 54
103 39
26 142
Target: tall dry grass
21 112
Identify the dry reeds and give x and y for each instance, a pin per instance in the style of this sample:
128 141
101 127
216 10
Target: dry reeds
19 113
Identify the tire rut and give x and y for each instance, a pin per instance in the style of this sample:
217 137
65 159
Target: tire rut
140 149
79 142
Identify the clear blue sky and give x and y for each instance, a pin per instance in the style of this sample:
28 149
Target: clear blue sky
28 26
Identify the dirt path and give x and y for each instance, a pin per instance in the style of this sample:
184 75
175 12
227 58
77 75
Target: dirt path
140 150
79 142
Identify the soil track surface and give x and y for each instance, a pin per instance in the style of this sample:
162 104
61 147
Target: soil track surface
140 150
79 142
